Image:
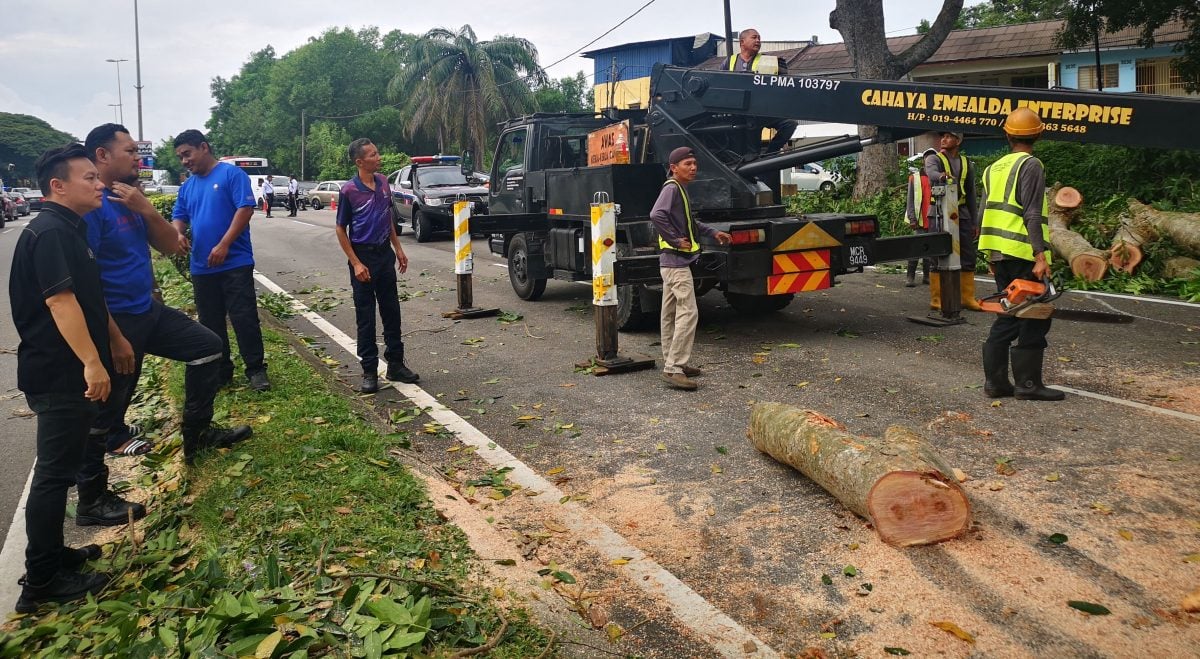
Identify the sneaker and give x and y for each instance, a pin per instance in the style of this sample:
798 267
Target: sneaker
212 437
691 371
259 381
66 586
72 558
109 509
370 384
401 373
679 381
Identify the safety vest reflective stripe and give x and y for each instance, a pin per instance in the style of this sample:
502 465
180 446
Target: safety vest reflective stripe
1003 226
962 178
733 62
687 210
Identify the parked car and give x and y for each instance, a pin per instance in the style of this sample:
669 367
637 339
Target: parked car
21 204
811 177
8 209
324 194
34 197
424 192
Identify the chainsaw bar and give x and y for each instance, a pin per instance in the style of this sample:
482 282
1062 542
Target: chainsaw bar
1091 316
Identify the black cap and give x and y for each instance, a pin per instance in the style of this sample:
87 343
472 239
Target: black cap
680 154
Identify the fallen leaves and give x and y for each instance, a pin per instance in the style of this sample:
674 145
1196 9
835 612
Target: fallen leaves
1057 538
1004 466
947 626
1089 608
1101 508
1052 478
1126 534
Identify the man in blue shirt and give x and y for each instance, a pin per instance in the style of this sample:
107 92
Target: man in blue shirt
119 232
217 201
367 234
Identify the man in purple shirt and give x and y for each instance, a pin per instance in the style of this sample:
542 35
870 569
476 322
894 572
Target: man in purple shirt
367 234
677 232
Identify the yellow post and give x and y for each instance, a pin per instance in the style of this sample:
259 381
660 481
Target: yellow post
464 265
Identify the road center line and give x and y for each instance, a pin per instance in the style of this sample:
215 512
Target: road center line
693 611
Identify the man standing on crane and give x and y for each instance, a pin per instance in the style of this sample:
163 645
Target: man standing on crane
949 167
677 230
1014 229
748 60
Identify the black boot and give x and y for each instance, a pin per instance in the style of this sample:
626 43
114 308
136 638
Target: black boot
911 280
995 371
370 383
73 558
100 507
197 440
399 372
65 586
1027 371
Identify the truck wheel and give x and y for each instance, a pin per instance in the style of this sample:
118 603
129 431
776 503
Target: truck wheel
758 304
518 271
422 227
316 203
631 315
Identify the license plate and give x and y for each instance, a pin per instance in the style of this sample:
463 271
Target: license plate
858 255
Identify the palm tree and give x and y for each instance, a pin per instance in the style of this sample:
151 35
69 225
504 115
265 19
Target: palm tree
457 88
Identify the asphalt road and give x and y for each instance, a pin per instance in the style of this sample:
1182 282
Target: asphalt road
673 473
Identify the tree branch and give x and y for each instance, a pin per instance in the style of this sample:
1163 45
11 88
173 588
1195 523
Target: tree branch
928 45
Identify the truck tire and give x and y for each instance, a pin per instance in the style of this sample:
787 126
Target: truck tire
316 203
518 271
758 304
631 316
423 228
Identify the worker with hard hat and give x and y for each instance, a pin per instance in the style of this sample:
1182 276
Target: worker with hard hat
948 166
1015 231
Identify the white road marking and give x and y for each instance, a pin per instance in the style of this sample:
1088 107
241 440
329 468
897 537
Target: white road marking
708 622
12 556
1129 403
6 231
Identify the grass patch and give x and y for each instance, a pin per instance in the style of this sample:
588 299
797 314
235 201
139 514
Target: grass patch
311 539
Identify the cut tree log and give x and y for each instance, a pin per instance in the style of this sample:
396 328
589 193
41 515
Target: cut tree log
1086 261
1180 267
898 482
1126 254
1183 229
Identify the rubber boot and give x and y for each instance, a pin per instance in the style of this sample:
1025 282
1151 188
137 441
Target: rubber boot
995 371
100 507
911 280
1027 371
925 271
935 292
967 281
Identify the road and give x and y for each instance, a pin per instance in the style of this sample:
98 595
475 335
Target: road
674 476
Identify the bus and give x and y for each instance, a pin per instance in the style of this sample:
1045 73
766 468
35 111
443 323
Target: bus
252 166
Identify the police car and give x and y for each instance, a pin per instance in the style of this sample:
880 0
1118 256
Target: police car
424 192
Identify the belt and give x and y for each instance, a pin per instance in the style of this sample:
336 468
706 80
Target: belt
371 247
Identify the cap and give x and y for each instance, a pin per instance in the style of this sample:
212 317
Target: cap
680 154
950 132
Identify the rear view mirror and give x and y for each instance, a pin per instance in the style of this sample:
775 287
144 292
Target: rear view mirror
467 163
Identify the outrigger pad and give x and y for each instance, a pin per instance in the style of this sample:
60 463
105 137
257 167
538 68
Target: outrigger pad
618 364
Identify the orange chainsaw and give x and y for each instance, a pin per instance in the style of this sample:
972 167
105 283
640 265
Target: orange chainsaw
1032 299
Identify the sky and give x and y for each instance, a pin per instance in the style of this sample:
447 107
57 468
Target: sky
55 50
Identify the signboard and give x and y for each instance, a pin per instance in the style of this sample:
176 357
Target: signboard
145 148
146 162
145 174
609 145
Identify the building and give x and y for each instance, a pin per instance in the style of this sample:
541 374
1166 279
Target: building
622 73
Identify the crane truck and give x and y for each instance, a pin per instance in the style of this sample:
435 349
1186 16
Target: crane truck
545 175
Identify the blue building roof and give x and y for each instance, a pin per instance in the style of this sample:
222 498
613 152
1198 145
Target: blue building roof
635 60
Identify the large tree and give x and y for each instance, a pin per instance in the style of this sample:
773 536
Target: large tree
572 94
22 139
455 87
860 23
1087 18
994 13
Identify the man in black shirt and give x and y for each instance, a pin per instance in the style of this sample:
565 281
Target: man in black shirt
63 364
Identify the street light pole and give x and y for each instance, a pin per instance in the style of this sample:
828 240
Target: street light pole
137 49
120 102
114 106
303 111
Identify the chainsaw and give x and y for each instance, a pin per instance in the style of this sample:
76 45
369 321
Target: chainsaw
1032 300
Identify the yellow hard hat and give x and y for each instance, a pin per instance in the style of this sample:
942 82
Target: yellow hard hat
1023 122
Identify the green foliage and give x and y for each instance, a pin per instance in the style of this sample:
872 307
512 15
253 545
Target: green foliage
315 541
1167 178
455 87
164 204
994 13
165 158
572 94
22 139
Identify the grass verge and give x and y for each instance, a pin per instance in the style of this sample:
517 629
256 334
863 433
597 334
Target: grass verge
311 539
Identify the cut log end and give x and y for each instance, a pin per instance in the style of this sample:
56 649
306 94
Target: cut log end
1125 256
1068 198
1089 267
910 508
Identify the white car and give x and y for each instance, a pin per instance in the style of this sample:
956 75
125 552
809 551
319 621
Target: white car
811 177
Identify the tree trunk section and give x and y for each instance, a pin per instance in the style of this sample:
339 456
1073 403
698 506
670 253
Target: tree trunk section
1085 261
1182 228
1180 267
1125 253
898 482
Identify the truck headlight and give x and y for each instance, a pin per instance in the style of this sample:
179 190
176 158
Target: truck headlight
434 201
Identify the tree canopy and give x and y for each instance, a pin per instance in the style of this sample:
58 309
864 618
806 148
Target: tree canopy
1085 17
22 139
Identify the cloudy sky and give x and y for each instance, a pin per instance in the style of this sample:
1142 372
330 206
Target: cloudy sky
55 50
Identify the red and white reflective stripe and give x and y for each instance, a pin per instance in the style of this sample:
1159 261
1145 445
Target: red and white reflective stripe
463 260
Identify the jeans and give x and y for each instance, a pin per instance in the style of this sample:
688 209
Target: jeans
63 421
164 332
679 318
1027 332
381 290
230 294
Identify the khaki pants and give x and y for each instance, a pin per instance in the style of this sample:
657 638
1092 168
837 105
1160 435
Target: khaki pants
679 318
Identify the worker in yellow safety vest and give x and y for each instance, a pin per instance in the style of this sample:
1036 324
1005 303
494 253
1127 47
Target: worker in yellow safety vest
1014 229
747 60
949 167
